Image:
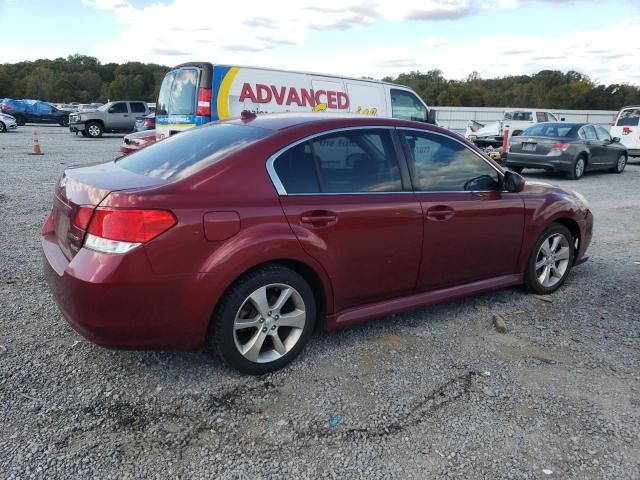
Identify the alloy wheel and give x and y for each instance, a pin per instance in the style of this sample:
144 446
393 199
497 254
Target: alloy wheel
579 168
269 323
552 260
93 130
622 160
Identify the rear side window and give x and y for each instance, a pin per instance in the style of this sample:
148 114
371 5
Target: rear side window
406 105
541 117
137 107
120 107
346 162
589 132
183 92
189 152
629 118
441 164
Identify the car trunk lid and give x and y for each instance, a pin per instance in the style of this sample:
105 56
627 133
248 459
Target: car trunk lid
535 145
79 191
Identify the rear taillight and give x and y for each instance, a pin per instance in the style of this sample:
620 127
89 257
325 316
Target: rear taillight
148 122
5 108
114 230
204 102
82 217
561 147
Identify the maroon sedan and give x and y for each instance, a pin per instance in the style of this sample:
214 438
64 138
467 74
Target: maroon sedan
246 234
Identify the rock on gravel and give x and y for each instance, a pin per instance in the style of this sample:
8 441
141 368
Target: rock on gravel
70 409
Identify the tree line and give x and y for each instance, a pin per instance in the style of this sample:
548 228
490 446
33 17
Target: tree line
84 79
545 89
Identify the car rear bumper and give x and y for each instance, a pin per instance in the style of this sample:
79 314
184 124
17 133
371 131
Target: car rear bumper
117 301
557 163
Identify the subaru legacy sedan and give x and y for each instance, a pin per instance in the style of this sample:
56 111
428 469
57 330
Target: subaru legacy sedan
572 148
248 234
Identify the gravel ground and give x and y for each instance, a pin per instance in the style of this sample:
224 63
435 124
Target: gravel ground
431 394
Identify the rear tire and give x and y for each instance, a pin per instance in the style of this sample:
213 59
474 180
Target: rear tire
550 261
263 320
578 168
20 120
84 134
93 129
621 163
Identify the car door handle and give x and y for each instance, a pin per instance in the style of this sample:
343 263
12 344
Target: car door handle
440 212
318 217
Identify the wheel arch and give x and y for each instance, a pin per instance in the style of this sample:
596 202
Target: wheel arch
573 227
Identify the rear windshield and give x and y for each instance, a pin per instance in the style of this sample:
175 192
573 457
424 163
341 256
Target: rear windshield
178 92
549 130
629 118
189 152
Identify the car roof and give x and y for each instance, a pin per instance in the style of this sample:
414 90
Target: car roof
282 121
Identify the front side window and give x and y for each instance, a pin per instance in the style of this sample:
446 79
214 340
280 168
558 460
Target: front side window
346 162
603 134
407 106
541 117
441 164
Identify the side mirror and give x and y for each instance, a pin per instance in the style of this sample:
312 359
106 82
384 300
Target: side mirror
431 116
111 110
513 182
615 139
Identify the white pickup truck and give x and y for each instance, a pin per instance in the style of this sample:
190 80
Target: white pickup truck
516 121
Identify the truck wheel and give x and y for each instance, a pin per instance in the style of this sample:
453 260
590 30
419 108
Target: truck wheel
20 120
64 122
94 129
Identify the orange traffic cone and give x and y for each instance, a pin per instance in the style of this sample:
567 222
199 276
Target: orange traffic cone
36 145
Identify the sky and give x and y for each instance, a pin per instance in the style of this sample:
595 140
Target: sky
344 37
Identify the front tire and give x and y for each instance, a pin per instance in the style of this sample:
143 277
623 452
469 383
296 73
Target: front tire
550 261
64 122
94 129
3 127
578 168
621 163
264 320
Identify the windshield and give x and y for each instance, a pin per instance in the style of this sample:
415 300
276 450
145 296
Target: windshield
549 130
189 152
522 116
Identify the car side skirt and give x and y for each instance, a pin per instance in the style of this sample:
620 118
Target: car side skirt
412 302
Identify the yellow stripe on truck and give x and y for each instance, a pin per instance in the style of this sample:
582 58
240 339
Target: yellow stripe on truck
223 94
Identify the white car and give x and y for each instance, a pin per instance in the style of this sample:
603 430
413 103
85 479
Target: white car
626 127
516 121
7 122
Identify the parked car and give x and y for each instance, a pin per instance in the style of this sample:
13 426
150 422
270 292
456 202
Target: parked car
146 122
196 93
113 117
7 122
137 140
573 148
34 111
516 121
626 127
248 233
